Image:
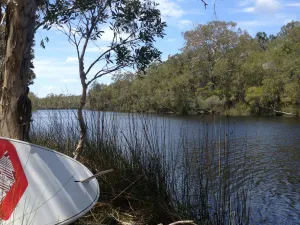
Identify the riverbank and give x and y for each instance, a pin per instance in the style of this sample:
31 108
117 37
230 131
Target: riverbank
62 102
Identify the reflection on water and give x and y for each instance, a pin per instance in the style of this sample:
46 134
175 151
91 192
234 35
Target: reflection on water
270 159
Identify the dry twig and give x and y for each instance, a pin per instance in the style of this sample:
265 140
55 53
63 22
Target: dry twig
183 222
205 4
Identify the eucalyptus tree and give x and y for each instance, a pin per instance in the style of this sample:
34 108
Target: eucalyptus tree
285 30
139 20
262 39
132 26
18 21
210 42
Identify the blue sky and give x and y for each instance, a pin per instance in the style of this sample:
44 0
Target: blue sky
56 66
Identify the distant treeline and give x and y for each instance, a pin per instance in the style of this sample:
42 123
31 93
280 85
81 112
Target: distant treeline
220 69
53 101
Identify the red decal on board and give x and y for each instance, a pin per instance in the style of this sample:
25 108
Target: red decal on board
13 181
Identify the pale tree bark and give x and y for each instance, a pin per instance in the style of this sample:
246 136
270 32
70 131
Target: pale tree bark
20 23
81 121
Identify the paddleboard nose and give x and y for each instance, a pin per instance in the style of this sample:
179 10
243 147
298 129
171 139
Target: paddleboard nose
13 181
7 176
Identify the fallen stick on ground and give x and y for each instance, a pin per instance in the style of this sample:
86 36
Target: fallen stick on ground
94 176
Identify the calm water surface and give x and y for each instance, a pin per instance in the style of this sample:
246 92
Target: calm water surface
271 148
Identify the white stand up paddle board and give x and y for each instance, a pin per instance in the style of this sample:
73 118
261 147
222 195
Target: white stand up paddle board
39 186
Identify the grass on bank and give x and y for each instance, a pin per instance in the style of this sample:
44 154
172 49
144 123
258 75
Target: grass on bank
156 178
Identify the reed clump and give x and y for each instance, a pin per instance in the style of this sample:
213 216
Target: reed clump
157 178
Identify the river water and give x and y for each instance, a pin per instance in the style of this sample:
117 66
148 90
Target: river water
270 146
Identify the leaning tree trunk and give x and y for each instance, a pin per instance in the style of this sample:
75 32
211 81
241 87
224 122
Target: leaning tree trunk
20 22
81 142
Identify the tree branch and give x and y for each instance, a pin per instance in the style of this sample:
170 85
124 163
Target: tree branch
87 38
205 4
94 20
77 47
110 49
68 33
81 36
183 222
99 74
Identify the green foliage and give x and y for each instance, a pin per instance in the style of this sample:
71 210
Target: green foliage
220 68
291 95
53 101
253 95
214 103
262 39
240 109
285 30
135 25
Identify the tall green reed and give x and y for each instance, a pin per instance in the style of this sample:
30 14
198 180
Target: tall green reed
158 177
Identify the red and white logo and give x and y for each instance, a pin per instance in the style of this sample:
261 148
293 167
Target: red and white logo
13 181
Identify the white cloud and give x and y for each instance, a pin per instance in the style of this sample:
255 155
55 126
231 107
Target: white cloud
171 40
269 7
195 12
293 4
251 23
69 80
184 24
61 71
173 13
49 87
277 19
108 34
97 49
43 62
71 59
251 26
283 19
52 68
245 3
249 9
170 9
